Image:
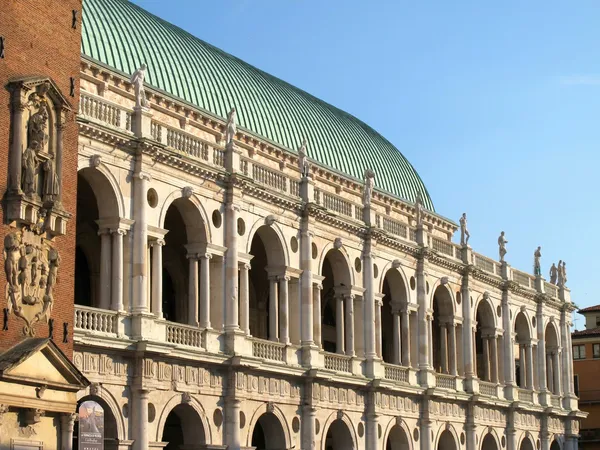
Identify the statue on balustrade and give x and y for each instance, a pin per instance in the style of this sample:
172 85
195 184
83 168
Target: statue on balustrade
564 272
419 209
230 127
303 164
553 273
560 274
502 246
464 231
369 177
537 268
137 80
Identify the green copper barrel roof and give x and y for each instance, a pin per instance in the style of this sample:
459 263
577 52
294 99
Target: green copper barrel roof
122 35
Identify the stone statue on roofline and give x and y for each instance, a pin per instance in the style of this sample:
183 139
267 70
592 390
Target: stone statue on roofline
537 267
230 127
419 209
137 80
303 164
369 177
564 271
502 246
464 231
560 274
553 273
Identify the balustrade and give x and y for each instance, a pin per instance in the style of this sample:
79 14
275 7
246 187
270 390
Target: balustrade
395 227
102 110
184 335
338 363
95 320
526 395
485 264
445 381
269 177
442 246
395 373
551 289
488 389
522 278
272 351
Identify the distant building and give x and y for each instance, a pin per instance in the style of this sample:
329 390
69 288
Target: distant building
586 369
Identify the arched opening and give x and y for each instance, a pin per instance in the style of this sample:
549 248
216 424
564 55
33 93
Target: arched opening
443 332
523 353
489 443
335 300
338 436
397 439
446 441
395 322
486 343
268 433
111 436
553 364
183 428
555 445
526 444
180 264
268 284
96 218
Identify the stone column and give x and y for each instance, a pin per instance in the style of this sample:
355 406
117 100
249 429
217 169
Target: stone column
157 281
522 365
397 323
369 302
309 414
307 300
140 430
567 356
550 372
117 269
430 338
105 270
205 290
443 349
494 356
378 343
468 357
529 365
424 360
541 348
349 310
245 298
193 289
339 324
273 310
67 424
232 423
405 337
231 266
140 239
317 314
556 370
509 359
486 358
453 355
284 319
372 431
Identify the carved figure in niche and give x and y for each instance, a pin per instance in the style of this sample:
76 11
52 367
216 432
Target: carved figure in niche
553 273
464 231
137 80
230 127
502 246
51 189
37 136
29 172
560 274
303 164
537 268
31 267
369 177
419 209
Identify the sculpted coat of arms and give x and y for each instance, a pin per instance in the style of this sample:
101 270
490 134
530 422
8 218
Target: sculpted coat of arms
31 266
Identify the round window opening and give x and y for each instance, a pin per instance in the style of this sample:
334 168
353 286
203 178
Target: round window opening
294 244
315 251
361 430
375 270
416 434
413 283
458 297
152 197
499 310
241 226
216 218
357 265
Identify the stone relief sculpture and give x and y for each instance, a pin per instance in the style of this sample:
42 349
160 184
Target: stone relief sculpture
537 267
369 177
230 127
464 231
502 246
31 268
137 80
303 164
553 273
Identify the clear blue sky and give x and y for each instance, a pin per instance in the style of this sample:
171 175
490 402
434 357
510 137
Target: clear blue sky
495 103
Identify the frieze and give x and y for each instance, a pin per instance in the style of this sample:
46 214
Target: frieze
396 402
489 415
180 374
555 424
94 363
446 409
528 420
265 385
338 396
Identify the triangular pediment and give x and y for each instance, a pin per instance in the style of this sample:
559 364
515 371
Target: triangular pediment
38 82
41 362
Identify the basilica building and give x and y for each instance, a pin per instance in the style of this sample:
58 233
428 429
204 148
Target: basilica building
257 269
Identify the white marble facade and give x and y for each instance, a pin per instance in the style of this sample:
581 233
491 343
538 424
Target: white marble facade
225 300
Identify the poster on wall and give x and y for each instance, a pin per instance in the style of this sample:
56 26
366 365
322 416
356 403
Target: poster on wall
91 426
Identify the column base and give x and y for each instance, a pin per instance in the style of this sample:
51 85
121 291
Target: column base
210 340
471 385
426 378
544 398
145 326
510 392
373 368
234 342
312 357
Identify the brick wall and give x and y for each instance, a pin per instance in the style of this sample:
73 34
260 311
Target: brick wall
40 40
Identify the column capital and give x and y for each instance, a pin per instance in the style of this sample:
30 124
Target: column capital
157 243
243 265
207 256
318 286
104 232
119 231
193 256
283 277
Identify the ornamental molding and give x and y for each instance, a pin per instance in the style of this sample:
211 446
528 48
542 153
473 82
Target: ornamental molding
180 375
489 415
270 386
100 364
338 396
396 403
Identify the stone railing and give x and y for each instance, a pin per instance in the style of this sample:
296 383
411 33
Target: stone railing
184 142
523 279
95 320
483 263
184 335
394 227
551 289
272 351
269 177
104 111
442 246
218 157
555 401
334 203
525 395
395 373
445 381
412 234
338 363
295 188
488 389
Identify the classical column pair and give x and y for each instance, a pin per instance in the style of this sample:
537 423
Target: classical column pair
526 365
448 347
553 371
344 316
490 358
401 323
111 268
279 305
